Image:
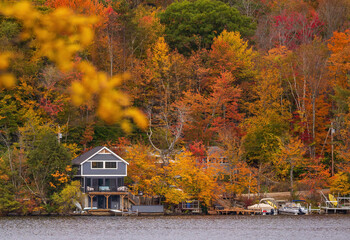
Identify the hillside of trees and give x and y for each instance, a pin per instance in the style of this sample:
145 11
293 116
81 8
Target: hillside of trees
163 82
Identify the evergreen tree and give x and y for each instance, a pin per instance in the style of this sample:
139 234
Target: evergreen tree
191 25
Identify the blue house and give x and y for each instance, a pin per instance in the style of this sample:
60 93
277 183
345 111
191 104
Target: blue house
101 173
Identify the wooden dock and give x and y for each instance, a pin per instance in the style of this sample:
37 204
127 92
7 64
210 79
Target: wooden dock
235 211
100 212
335 210
339 205
131 213
107 212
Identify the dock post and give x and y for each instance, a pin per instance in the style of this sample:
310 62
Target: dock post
122 202
107 197
91 198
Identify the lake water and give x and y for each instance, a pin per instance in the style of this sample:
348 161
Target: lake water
177 227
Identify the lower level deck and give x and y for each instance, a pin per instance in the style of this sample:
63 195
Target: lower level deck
106 200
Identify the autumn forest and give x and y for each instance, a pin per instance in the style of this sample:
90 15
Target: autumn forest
204 98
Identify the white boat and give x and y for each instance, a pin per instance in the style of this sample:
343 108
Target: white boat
266 206
261 207
293 208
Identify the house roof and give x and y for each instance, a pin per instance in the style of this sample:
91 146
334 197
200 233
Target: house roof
91 153
78 160
215 151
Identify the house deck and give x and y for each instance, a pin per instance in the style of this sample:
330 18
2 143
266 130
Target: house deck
107 193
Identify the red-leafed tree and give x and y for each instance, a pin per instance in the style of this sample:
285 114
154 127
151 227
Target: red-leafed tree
316 175
198 150
88 7
294 28
209 114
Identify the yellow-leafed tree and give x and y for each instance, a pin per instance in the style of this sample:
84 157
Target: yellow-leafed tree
145 171
194 180
59 36
340 183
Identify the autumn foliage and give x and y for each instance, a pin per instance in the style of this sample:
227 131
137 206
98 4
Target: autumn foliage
267 85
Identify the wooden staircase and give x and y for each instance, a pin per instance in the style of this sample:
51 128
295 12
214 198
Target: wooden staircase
133 199
226 203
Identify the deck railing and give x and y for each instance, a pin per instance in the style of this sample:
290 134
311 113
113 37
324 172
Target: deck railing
194 204
135 199
105 189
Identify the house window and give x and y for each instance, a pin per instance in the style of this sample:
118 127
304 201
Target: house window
120 182
96 164
110 165
107 182
88 182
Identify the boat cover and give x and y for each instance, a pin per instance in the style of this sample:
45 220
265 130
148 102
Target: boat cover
260 206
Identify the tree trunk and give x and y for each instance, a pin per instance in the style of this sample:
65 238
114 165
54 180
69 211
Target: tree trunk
258 178
291 180
313 126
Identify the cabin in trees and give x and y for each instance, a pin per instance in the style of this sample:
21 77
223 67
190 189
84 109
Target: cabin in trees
216 155
101 173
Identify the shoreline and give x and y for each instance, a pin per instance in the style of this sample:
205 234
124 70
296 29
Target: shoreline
158 215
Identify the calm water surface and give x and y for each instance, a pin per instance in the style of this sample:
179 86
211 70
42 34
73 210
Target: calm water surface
177 227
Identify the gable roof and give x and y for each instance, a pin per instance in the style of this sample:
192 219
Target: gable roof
215 152
78 160
89 154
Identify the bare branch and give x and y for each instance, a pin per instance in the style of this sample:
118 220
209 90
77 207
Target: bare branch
150 132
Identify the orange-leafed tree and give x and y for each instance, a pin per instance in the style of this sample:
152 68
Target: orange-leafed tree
87 136
145 171
192 179
210 113
339 67
229 52
213 102
340 58
316 176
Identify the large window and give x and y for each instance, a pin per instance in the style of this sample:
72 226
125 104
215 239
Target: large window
96 164
110 164
104 165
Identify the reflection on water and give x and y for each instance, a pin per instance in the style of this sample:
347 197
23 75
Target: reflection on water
177 227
